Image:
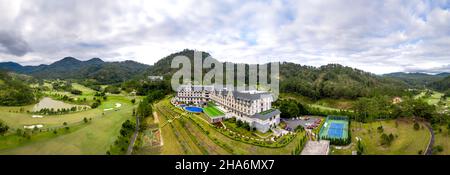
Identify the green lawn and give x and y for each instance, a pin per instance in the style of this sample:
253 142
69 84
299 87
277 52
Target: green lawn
443 139
95 138
407 140
212 111
435 99
323 104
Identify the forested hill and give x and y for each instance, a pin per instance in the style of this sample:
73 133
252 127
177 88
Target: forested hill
329 81
336 81
418 80
13 91
163 66
72 68
441 85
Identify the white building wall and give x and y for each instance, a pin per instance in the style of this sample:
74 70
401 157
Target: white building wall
232 105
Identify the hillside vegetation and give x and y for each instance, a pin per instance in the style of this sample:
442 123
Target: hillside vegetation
13 91
441 85
329 81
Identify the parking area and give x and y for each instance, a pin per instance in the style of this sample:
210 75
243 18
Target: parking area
308 122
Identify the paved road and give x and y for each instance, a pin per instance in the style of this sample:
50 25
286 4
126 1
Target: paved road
430 145
133 139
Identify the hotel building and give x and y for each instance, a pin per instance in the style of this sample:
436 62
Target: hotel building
253 107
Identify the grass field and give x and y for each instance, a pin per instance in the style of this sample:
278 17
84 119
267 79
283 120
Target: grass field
95 137
435 99
407 140
323 104
442 138
212 111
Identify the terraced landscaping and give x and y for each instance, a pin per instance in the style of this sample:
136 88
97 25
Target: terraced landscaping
191 134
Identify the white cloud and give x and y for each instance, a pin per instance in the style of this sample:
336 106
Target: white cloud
376 36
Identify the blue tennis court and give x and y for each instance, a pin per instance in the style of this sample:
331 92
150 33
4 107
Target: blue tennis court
337 129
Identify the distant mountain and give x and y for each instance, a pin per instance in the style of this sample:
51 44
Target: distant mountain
329 81
444 74
417 80
12 66
72 68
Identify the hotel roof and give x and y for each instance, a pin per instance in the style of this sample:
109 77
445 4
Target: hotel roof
266 114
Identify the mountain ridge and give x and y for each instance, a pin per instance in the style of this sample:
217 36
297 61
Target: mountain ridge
331 80
72 68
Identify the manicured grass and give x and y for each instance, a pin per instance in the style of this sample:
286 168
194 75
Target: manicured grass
435 99
407 140
84 89
443 139
18 120
324 107
323 104
13 140
95 138
213 112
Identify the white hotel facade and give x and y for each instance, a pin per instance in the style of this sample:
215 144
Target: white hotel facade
253 107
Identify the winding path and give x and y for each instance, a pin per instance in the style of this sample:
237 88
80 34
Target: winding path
429 150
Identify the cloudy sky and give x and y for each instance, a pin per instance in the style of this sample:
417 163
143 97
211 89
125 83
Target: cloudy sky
376 36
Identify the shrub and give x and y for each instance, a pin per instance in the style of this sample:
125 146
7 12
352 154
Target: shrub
359 148
3 128
387 139
380 129
437 149
95 105
76 92
416 126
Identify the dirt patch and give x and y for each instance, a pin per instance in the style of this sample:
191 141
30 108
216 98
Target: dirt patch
156 118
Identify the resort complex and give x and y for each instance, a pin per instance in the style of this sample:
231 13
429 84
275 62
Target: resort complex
252 107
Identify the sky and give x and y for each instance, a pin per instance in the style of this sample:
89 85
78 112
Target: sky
375 36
